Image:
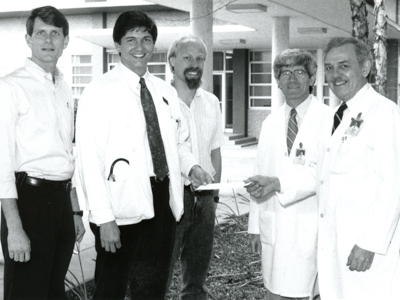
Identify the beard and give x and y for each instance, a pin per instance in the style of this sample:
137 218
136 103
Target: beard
193 83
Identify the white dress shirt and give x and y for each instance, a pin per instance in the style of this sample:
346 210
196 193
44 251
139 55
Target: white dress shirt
36 127
301 110
205 123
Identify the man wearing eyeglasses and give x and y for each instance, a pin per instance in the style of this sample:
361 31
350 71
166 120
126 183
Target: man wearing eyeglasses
283 230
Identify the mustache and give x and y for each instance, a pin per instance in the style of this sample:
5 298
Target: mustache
193 69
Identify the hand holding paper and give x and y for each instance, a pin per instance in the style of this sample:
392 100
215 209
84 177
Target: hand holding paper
200 177
261 186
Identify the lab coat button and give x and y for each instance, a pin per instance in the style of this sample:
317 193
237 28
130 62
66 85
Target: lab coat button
321 215
329 149
322 182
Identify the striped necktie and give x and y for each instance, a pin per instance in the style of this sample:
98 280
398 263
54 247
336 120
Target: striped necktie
338 116
153 132
292 130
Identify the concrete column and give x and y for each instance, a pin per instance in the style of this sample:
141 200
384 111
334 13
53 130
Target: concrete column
201 23
99 55
280 42
320 78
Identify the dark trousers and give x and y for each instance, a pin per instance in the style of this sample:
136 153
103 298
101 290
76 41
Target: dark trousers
140 267
47 219
194 243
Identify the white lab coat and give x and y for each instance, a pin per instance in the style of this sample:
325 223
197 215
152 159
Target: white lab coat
288 231
358 187
110 125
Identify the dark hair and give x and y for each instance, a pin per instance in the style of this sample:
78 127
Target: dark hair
363 51
49 15
295 57
131 20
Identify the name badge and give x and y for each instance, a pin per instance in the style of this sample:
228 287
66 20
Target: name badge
355 125
300 156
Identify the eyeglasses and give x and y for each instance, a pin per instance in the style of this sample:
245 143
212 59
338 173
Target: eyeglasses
298 73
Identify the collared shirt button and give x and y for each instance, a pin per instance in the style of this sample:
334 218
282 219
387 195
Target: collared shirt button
321 215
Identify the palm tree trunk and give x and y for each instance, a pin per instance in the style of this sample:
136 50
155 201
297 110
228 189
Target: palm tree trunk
380 47
360 22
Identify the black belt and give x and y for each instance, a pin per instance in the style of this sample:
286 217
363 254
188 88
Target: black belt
65 185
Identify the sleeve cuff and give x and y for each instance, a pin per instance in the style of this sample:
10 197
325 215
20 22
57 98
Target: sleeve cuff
102 216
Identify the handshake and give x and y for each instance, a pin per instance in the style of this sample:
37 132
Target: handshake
262 186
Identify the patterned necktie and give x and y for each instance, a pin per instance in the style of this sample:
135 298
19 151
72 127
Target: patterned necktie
338 116
153 133
292 130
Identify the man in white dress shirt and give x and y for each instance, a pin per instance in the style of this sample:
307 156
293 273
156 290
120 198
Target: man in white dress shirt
40 211
283 226
201 109
132 148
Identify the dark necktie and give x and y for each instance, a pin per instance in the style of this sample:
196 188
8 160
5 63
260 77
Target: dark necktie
292 130
153 133
338 116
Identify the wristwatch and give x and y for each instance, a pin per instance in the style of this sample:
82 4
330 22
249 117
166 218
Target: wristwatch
78 213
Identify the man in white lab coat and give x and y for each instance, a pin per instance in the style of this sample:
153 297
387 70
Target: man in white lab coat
289 138
132 145
358 183
358 175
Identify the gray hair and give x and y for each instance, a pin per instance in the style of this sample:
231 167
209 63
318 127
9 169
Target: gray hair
363 51
295 57
173 48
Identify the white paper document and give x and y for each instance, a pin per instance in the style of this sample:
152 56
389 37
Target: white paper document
223 185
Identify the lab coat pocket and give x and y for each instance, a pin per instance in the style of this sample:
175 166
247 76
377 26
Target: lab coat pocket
347 156
127 200
267 227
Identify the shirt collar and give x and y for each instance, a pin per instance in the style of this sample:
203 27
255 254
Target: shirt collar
41 74
353 102
301 109
132 76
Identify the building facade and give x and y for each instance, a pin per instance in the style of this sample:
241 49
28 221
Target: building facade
242 61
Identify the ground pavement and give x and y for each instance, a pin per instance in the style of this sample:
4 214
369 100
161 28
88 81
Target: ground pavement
237 165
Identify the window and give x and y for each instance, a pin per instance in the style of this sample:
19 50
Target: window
157 65
82 70
260 79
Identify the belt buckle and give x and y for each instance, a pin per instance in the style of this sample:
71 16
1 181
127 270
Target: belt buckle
68 186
